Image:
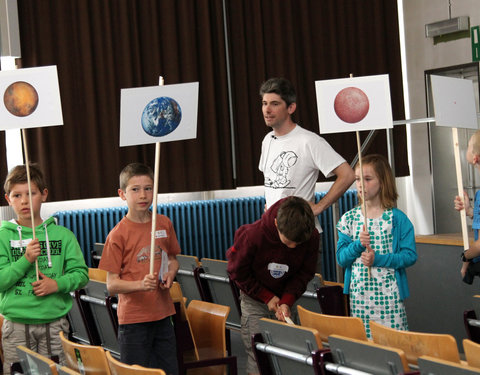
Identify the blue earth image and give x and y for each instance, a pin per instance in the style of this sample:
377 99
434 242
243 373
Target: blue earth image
161 116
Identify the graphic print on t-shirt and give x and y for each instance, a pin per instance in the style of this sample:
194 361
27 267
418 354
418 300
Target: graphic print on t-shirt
143 255
281 166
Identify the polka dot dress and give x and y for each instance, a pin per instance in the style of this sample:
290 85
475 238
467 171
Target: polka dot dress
376 298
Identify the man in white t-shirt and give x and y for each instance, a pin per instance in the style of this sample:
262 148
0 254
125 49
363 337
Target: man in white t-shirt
292 156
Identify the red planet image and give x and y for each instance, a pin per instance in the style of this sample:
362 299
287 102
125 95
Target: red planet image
351 105
21 99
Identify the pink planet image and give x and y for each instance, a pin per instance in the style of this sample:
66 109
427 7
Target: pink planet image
351 105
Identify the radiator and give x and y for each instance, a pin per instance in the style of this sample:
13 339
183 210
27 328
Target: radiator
204 228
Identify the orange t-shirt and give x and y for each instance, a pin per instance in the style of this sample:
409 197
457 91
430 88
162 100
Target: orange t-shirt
127 253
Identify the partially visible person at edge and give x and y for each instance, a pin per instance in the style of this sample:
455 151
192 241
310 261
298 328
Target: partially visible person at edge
35 311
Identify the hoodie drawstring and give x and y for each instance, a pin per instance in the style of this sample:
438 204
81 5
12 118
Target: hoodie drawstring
49 257
19 229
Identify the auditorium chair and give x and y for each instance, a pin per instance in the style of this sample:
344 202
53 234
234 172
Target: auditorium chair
119 368
416 344
282 348
471 321
64 370
331 299
216 287
97 274
201 342
351 355
327 325
472 353
186 278
33 363
436 366
91 358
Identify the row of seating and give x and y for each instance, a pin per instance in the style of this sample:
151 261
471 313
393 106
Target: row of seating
281 348
208 280
200 328
81 359
414 344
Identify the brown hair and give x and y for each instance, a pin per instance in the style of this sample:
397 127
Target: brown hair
134 169
281 87
295 219
388 189
18 175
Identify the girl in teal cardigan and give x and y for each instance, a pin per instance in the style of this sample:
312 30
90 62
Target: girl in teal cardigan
386 249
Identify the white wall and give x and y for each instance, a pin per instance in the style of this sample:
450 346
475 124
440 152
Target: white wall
421 55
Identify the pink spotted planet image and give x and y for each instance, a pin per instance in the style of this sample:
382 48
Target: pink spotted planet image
351 105
20 99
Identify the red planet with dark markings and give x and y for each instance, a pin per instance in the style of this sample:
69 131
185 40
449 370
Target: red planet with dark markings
351 105
20 99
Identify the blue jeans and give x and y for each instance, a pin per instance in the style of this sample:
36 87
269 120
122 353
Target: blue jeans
149 344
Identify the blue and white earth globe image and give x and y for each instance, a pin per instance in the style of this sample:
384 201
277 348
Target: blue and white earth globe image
161 116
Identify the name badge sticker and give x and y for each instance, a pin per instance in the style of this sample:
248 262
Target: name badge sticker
161 233
277 270
18 243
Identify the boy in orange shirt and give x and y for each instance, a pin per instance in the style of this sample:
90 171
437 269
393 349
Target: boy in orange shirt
145 331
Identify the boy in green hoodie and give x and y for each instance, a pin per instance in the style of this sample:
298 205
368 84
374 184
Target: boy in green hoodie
35 310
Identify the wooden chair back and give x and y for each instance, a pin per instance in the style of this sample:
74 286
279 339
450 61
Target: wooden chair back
176 292
208 324
472 353
91 358
119 368
327 325
64 370
416 344
97 274
201 341
34 363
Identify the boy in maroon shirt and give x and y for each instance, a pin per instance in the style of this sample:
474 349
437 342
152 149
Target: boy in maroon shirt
272 260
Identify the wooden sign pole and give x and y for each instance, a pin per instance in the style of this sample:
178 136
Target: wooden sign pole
362 182
154 203
27 167
458 168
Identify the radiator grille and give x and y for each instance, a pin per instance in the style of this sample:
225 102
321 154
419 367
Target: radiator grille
204 228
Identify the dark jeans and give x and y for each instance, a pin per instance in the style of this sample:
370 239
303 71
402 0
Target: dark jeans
149 344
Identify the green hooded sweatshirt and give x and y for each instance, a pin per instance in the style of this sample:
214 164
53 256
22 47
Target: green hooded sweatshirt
67 267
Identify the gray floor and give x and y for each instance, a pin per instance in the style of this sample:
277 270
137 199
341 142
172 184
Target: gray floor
238 350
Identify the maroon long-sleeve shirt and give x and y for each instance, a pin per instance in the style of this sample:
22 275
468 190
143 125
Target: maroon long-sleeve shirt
263 267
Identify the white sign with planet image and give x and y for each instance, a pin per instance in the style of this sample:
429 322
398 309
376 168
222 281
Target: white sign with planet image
353 104
31 98
158 114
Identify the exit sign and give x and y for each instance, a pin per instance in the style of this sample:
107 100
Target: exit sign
475 39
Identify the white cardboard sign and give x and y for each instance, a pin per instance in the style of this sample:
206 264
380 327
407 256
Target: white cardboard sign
30 98
454 102
158 114
353 104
